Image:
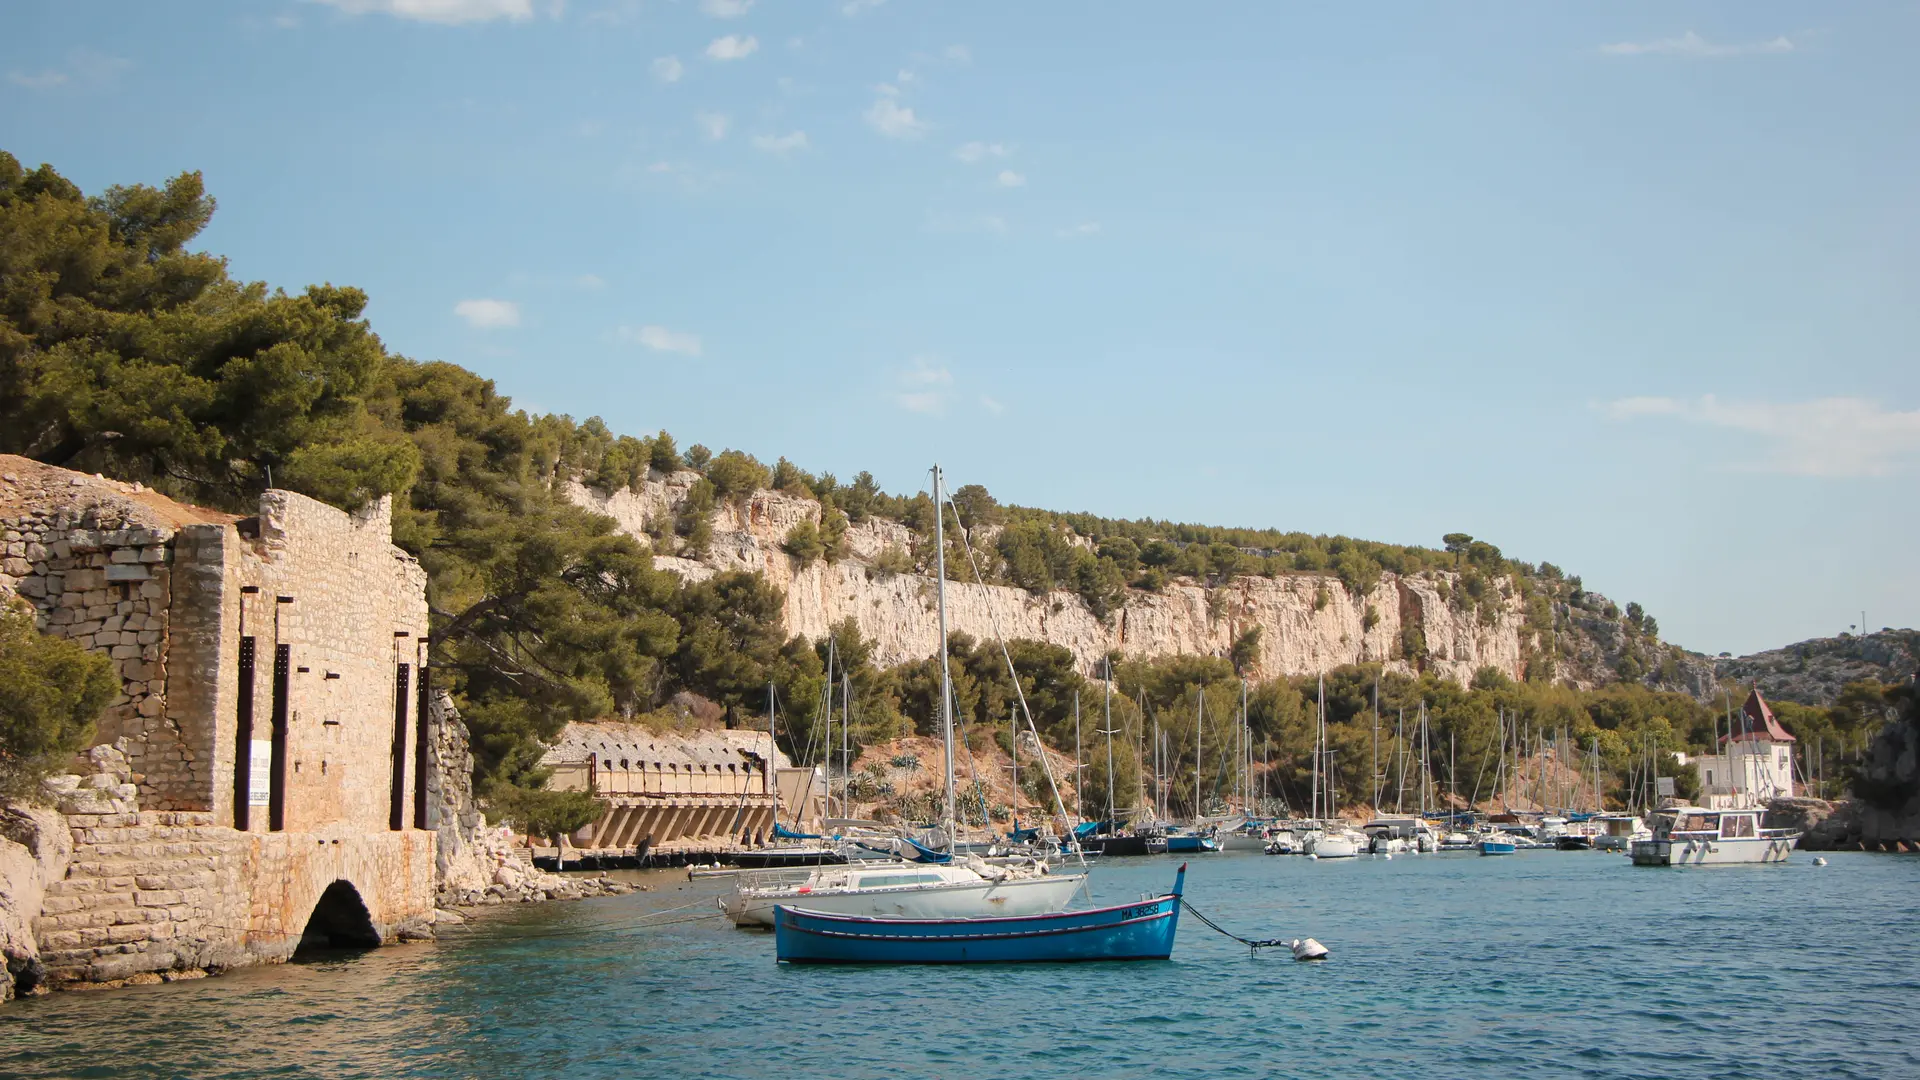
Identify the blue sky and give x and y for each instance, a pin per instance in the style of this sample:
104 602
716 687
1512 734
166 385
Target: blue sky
1630 288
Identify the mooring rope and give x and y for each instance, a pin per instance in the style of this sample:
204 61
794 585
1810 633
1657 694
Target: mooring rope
1251 943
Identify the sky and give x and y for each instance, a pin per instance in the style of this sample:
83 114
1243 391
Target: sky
1631 288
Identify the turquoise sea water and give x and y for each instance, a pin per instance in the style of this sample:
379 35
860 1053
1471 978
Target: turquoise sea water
1540 964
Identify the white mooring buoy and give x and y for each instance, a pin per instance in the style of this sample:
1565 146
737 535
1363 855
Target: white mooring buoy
1307 949
1819 860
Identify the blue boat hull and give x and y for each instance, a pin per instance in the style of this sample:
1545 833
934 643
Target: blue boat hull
1178 844
1495 847
1139 931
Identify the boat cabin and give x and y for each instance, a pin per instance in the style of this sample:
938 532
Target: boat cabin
1701 823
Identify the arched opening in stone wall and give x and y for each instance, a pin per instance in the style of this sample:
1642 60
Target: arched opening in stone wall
339 921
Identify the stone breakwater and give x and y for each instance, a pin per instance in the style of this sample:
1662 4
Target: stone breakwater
1309 622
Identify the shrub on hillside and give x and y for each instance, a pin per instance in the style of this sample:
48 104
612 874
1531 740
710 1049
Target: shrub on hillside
51 692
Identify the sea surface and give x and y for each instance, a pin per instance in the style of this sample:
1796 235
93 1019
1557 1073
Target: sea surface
1540 964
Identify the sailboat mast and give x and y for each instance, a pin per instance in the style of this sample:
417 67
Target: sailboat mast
846 743
1376 746
1319 732
1199 733
1246 753
1106 705
767 777
946 677
1079 776
1013 750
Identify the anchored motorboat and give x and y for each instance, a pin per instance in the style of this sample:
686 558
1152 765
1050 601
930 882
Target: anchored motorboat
1696 836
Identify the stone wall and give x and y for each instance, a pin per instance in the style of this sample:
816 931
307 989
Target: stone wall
175 868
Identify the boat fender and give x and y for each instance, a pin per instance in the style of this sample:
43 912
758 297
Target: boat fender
1314 855
1307 949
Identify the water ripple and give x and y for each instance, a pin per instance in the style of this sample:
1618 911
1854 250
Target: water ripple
1543 964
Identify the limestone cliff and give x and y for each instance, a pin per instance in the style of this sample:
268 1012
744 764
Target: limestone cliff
1309 622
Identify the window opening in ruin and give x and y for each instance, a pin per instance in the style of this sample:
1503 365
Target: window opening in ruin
277 792
397 802
423 748
340 921
243 739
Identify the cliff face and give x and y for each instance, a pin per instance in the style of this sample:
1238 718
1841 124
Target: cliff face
1814 672
1308 622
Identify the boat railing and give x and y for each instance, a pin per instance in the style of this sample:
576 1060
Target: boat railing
774 879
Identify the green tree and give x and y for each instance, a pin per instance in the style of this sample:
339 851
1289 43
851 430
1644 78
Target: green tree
51 692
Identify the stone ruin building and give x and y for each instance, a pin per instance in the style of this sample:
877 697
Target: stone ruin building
267 773
701 791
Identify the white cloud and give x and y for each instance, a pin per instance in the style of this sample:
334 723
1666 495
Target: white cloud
1692 44
1009 178
488 314
781 144
1085 228
855 7
668 69
992 405
1837 436
733 47
979 151
894 120
959 54
446 12
713 125
724 9
84 67
661 339
924 386
977 223
904 76
45 80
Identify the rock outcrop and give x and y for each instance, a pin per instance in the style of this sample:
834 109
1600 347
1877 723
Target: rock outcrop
1308 622
1814 672
35 848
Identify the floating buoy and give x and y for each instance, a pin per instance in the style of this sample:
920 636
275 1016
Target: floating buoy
1313 855
1307 949
1389 858
1819 860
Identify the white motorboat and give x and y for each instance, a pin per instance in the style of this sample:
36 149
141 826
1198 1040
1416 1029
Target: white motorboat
1619 831
1337 843
962 889
1282 842
1695 836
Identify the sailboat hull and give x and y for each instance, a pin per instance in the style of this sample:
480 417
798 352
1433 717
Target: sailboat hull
1141 931
1190 844
1019 896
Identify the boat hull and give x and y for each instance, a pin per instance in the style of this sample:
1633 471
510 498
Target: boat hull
1239 841
1497 847
1717 852
1189 845
774 858
1141 931
1117 845
1017 896
1334 847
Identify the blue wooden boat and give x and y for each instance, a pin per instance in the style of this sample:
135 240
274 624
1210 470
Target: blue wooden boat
1496 847
1138 931
1190 843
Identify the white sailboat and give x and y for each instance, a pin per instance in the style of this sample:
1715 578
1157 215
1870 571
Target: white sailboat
964 887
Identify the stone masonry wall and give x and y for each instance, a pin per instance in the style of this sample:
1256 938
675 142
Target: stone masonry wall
160 880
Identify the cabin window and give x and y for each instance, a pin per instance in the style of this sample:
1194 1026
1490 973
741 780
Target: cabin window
1739 827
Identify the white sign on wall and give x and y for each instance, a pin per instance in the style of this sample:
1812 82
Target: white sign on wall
260 773
1663 786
